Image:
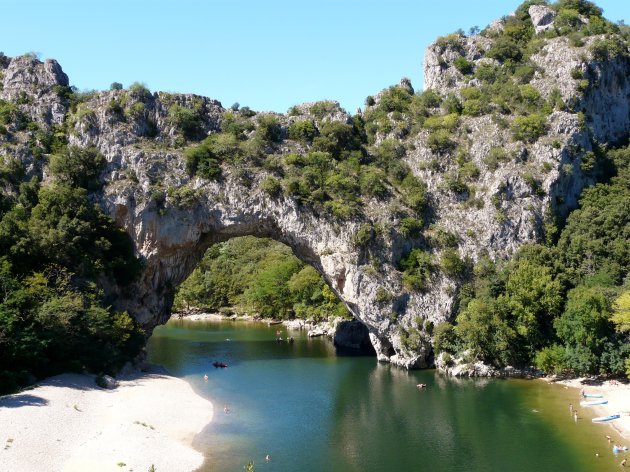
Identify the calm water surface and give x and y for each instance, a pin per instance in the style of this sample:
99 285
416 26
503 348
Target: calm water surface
315 409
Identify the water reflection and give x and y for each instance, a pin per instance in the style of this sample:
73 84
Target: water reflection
315 411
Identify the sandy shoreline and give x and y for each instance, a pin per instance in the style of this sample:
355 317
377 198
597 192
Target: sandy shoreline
617 394
68 424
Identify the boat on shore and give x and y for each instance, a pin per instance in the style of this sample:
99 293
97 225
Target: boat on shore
592 395
604 419
593 402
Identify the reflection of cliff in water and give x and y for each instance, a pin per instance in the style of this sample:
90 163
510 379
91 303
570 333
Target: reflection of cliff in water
382 418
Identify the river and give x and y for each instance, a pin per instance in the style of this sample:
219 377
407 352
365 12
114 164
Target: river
312 408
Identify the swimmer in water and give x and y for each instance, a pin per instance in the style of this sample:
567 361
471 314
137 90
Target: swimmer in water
205 377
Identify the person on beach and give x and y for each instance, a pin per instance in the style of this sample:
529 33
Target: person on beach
205 377
608 437
623 462
575 416
582 393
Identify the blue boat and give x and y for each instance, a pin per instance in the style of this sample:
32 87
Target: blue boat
603 419
592 395
593 402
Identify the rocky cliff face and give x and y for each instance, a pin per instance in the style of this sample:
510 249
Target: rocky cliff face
173 218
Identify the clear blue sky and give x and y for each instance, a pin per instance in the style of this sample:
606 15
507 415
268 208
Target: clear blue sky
266 54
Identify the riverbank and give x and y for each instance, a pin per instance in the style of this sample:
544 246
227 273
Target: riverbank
617 394
67 424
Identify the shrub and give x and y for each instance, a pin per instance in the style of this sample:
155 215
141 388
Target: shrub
323 108
551 359
372 182
139 91
411 227
494 157
363 236
503 49
529 128
450 262
417 266
440 141
414 192
271 186
116 86
78 167
303 131
186 120
269 129
608 48
444 338
463 65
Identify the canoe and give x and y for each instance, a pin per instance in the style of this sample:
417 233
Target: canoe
593 395
594 402
603 419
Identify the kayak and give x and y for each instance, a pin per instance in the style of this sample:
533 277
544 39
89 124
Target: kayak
594 402
593 395
603 419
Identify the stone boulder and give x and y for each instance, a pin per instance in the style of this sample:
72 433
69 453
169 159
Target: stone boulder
542 17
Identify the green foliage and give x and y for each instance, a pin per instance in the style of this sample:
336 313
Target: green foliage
411 227
529 128
451 264
77 167
303 131
188 121
440 142
560 306
463 65
139 91
608 48
271 186
56 244
269 129
116 86
363 236
551 359
417 267
444 338
260 275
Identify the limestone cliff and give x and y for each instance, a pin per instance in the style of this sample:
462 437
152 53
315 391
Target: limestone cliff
172 216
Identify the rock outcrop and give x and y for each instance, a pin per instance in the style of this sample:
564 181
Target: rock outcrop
173 218
542 17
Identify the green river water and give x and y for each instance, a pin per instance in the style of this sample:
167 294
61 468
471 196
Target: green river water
313 408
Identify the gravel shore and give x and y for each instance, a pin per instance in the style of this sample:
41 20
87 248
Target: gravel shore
68 424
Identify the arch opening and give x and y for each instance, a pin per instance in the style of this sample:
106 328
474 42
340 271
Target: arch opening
261 277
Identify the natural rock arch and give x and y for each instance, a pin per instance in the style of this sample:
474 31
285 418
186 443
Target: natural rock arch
173 240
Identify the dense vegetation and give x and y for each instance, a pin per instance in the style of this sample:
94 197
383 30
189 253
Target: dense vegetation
259 276
563 306
56 246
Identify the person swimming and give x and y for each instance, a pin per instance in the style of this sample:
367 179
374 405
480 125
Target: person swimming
205 377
